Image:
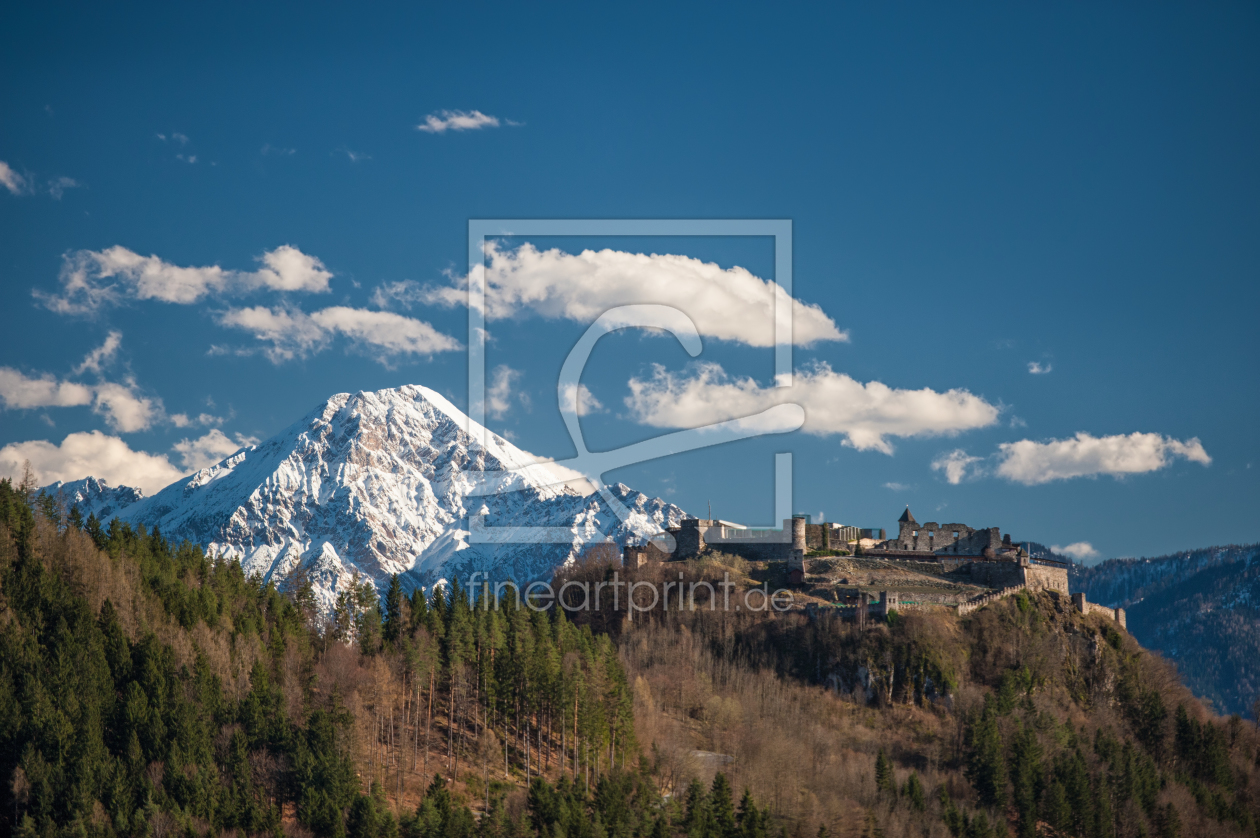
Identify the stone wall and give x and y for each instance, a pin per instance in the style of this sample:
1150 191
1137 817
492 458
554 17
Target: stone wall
994 574
965 608
1087 608
958 539
1040 577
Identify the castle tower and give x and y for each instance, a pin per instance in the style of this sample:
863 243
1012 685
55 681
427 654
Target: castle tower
907 524
796 559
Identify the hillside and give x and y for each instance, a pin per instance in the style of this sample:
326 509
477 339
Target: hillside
1200 608
145 690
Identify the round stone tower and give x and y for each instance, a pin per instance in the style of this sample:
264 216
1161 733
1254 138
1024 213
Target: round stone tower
796 559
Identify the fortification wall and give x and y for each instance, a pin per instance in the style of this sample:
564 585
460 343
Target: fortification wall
1046 578
1085 607
995 574
965 608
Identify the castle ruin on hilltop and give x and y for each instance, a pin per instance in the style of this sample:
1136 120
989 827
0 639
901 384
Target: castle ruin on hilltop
980 556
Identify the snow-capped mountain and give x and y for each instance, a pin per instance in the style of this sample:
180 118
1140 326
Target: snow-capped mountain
383 483
95 497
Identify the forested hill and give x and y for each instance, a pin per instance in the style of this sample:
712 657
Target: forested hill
147 691
1200 608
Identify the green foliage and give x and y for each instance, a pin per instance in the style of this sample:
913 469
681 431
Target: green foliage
986 762
885 782
912 791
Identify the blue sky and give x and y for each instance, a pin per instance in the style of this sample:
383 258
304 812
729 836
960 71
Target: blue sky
972 191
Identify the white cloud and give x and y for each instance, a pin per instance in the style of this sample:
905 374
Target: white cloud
121 404
289 269
443 121
124 409
1079 550
58 186
18 392
897 487
91 279
183 420
729 304
1036 368
91 454
101 355
268 148
205 451
293 333
866 415
290 333
576 398
1031 463
391 333
11 180
957 465
499 393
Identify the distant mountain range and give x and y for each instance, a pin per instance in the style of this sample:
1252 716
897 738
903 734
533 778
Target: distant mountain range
377 483
1199 608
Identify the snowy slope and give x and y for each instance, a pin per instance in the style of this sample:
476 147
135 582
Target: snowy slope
377 483
95 497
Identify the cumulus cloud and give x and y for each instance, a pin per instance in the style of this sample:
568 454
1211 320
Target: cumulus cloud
213 447
11 180
1031 463
1036 368
499 396
1079 550
101 355
866 415
19 392
440 122
576 398
729 304
124 408
957 465
90 454
91 280
122 405
293 333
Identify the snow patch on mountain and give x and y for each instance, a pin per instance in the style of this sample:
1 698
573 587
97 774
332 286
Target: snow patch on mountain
94 497
378 483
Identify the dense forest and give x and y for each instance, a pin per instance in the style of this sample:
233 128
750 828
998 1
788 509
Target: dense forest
145 689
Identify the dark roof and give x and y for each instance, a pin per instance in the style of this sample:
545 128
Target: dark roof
906 517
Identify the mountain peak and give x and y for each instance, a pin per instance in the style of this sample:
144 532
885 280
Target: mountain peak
377 483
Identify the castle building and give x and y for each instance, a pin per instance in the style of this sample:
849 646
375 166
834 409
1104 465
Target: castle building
981 556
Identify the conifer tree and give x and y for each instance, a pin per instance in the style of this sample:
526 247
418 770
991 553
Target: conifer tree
885 783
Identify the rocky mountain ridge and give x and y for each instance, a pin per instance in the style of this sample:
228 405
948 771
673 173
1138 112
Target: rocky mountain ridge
373 484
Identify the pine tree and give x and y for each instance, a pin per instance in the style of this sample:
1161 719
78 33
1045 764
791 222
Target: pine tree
1026 779
722 808
885 783
393 628
986 767
913 792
